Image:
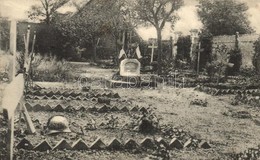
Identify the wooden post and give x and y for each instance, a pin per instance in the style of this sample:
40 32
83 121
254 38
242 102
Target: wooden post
13 32
10 138
198 65
28 119
123 39
171 45
27 42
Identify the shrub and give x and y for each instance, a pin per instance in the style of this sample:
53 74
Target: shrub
236 59
256 58
217 68
49 68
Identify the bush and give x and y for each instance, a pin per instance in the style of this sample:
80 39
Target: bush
49 68
218 67
236 59
256 58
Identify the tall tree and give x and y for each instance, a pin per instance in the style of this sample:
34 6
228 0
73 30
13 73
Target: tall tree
224 17
46 10
157 13
92 21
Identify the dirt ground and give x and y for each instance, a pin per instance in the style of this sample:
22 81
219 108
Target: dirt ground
213 123
227 134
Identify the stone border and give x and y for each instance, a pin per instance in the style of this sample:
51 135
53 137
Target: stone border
114 144
104 108
215 92
67 93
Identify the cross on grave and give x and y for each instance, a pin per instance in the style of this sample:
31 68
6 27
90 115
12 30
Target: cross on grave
152 47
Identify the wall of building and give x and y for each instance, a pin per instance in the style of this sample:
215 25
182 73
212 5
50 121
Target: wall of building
246 44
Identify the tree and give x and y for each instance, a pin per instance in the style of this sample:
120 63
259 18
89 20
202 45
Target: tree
46 10
224 17
90 23
156 13
4 33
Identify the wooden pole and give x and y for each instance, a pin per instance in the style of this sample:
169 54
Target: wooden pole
10 138
26 55
13 31
198 65
28 119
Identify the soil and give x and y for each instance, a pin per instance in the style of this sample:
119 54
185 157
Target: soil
213 123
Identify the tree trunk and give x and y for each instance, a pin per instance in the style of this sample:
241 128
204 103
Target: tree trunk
159 57
94 57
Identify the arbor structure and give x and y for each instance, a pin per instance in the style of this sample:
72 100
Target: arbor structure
224 17
156 13
46 10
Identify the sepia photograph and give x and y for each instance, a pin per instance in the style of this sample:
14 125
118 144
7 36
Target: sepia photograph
129 79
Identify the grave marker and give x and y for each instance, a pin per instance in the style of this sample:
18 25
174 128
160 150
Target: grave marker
130 68
153 46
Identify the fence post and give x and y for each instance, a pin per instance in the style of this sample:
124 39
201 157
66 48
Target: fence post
13 35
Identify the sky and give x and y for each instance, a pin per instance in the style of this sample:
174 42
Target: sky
188 18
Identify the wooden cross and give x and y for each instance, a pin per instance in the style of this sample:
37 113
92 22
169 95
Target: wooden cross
152 47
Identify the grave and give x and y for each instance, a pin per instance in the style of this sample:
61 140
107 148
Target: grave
129 76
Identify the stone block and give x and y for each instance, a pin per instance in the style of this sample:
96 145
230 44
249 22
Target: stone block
79 145
188 144
116 95
28 106
50 94
103 109
124 109
131 144
43 146
92 109
37 108
82 109
162 141
114 109
54 97
24 144
143 110
204 145
58 108
115 144
104 100
62 145
175 143
148 143
45 97
48 107
36 98
98 144
134 109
